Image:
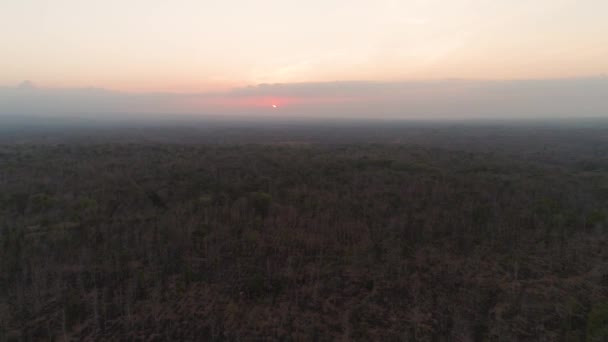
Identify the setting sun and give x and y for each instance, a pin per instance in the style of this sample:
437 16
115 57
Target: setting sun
311 170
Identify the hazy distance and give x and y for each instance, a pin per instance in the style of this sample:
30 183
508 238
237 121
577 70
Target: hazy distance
447 99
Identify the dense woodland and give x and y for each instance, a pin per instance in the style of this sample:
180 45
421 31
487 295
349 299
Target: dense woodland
385 232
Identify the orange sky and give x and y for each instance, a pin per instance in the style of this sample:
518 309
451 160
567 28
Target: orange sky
202 45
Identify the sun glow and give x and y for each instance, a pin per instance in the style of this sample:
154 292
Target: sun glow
274 106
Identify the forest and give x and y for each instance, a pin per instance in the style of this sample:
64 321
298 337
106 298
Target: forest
305 232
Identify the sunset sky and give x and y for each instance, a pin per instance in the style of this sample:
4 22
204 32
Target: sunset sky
201 46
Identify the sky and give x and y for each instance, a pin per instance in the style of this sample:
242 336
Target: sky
194 56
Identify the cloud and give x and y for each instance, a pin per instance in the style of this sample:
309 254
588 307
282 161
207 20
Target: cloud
582 97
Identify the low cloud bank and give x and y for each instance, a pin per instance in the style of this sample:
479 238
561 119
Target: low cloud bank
453 99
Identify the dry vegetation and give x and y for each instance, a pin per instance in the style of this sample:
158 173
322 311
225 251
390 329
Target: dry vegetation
417 240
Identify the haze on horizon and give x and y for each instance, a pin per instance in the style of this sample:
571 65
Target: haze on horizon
388 58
